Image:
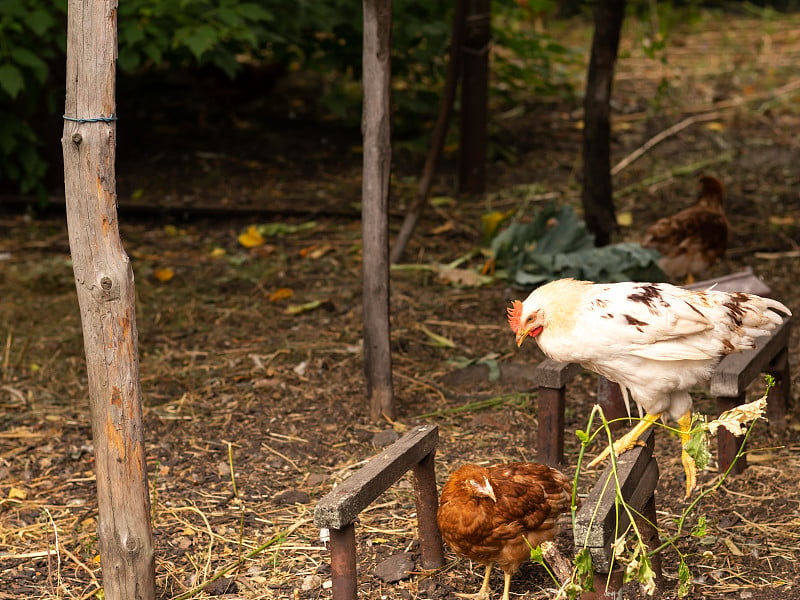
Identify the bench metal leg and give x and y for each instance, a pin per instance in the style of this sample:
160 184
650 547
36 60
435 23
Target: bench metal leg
343 563
550 413
430 539
728 445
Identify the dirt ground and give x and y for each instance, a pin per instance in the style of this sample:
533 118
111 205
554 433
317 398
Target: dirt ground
232 375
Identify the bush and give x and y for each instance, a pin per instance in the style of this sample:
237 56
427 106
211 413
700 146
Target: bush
176 35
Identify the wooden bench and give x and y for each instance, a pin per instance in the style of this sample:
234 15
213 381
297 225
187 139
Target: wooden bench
600 519
338 510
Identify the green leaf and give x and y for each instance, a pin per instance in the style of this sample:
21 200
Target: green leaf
255 12
26 58
199 40
11 80
584 569
697 448
684 579
39 21
699 530
582 436
437 340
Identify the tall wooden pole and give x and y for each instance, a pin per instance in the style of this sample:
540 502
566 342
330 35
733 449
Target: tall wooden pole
474 116
104 282
376 124
597 197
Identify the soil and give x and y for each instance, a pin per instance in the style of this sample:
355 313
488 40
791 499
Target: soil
254 411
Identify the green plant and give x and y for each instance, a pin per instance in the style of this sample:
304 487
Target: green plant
629 548
555 243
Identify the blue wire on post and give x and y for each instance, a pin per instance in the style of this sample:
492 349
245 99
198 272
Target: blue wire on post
92 120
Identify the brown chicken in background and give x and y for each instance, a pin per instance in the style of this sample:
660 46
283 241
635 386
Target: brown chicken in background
694 239
497 514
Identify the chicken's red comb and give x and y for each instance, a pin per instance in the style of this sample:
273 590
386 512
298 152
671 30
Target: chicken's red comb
514 315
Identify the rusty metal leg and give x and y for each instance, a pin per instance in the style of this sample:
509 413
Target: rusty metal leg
647 527
606 587
550 413
728 445
778 402
343 563
430 539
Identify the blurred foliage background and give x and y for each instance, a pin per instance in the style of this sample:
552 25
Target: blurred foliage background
230 42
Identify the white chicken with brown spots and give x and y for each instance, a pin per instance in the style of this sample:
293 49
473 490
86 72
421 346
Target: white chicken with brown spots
654 339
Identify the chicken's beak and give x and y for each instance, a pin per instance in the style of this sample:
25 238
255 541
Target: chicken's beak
532 331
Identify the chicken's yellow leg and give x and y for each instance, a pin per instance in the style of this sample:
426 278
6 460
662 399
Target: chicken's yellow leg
685 426
628 441
506 584
483 593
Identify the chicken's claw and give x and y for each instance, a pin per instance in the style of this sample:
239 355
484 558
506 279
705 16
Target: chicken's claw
629 440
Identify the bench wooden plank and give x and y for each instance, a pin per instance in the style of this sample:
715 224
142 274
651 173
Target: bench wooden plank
735 372
596 522
553 374
742 281
342 505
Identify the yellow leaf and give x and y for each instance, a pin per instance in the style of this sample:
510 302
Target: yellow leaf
171 230
437 340
491 222
137 194
297 309
164 275
96 559
217 252
625 219
16 493
281 294
715 126
251 238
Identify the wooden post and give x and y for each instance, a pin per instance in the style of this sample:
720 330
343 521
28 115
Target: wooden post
375 206
475 98
344 571
104 282
427 500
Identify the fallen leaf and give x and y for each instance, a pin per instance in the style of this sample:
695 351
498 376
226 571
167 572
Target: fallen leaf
297 309
715 126
315 251
464 277
16 493
442 201
251 238
281 294
732 548
625 219
164 275
444 228
217 253
437 340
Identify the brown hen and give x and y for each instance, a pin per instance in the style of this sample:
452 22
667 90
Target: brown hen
694 239
497 514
